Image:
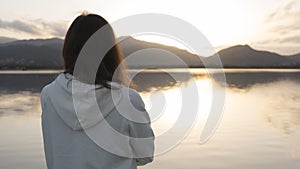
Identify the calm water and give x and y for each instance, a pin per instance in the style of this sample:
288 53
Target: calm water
260 127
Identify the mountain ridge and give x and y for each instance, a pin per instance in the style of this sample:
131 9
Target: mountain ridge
46 54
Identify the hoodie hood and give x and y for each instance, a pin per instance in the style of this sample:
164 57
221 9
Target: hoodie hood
82 105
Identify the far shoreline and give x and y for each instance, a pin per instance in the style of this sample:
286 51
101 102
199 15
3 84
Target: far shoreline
160 70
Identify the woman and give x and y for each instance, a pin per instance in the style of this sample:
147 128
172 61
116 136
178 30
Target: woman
77 135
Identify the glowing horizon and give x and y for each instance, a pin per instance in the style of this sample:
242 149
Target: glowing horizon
268 25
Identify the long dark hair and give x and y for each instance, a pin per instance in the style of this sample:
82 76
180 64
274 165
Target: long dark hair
82 28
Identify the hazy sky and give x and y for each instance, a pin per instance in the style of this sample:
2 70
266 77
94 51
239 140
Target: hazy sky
264 24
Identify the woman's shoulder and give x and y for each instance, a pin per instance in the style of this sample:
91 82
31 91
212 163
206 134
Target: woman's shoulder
134 97
60 78
133 94
46 89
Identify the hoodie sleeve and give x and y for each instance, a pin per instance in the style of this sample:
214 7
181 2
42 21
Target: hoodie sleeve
141 134
46 133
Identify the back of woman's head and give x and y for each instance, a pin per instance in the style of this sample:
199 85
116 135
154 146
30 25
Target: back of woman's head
82 28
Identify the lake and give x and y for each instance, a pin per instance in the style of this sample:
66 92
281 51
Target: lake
259 129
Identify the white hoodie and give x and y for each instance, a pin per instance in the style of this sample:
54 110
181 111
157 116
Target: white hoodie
77 136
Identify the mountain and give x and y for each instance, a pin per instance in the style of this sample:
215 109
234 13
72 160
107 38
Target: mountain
296 59
46 54
141 54
239 56
246 57
53 42
31 54
4 39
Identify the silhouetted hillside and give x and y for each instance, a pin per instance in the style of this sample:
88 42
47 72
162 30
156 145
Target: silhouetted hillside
151 55
46 54
31 54
246 57
4 39
296 59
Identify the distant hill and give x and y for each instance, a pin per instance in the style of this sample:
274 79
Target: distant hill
152 55
296 59
46 54
53 42
246 57
4 39
31 54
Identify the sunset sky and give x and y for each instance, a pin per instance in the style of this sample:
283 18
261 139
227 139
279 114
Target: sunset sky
264 24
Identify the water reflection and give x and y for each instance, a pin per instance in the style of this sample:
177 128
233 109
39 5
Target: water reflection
32 82
22 103
24 88
20 92
283 105
261 119
149 80
155 81
245 80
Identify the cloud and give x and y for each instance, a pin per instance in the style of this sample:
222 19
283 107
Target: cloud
54 28
4 39
281 29
287 40
291 39
284 24
18 25
288 9
286 29
37 27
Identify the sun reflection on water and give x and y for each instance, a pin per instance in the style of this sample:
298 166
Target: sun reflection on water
260 127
